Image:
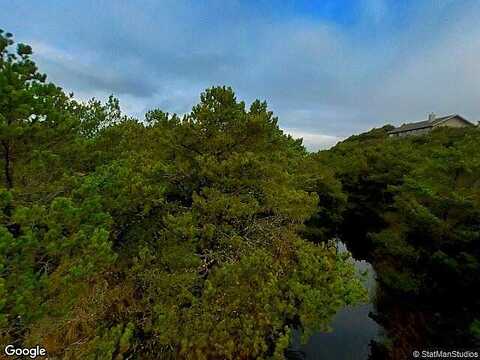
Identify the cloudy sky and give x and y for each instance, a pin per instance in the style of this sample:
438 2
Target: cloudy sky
327 69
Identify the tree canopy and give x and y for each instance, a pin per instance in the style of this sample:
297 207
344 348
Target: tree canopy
120 238
212 234
413 210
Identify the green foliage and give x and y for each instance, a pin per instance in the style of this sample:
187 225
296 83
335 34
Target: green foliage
185 236
315 175
234 212
179 235
47 255
436 215
370 166
475 328
418 199
35 115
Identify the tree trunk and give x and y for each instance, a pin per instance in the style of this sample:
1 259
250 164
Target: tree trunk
8 165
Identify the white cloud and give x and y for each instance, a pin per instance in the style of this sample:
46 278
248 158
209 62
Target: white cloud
393 62
314 141
50 52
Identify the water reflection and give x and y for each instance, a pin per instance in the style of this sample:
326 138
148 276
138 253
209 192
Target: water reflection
392 325
353 328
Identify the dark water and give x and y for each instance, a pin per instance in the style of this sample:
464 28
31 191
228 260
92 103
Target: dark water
405 322
353 329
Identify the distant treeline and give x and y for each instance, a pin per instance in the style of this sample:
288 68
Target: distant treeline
208 235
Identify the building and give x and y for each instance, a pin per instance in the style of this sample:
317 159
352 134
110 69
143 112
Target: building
426 126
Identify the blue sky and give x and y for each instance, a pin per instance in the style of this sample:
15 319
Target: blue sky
327 69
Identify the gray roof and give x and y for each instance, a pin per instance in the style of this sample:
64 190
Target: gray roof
424 124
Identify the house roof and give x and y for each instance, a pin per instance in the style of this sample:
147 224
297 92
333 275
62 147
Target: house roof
425 124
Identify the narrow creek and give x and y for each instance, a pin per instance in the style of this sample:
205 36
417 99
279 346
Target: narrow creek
352 328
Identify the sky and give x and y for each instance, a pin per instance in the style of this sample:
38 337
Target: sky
328 69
